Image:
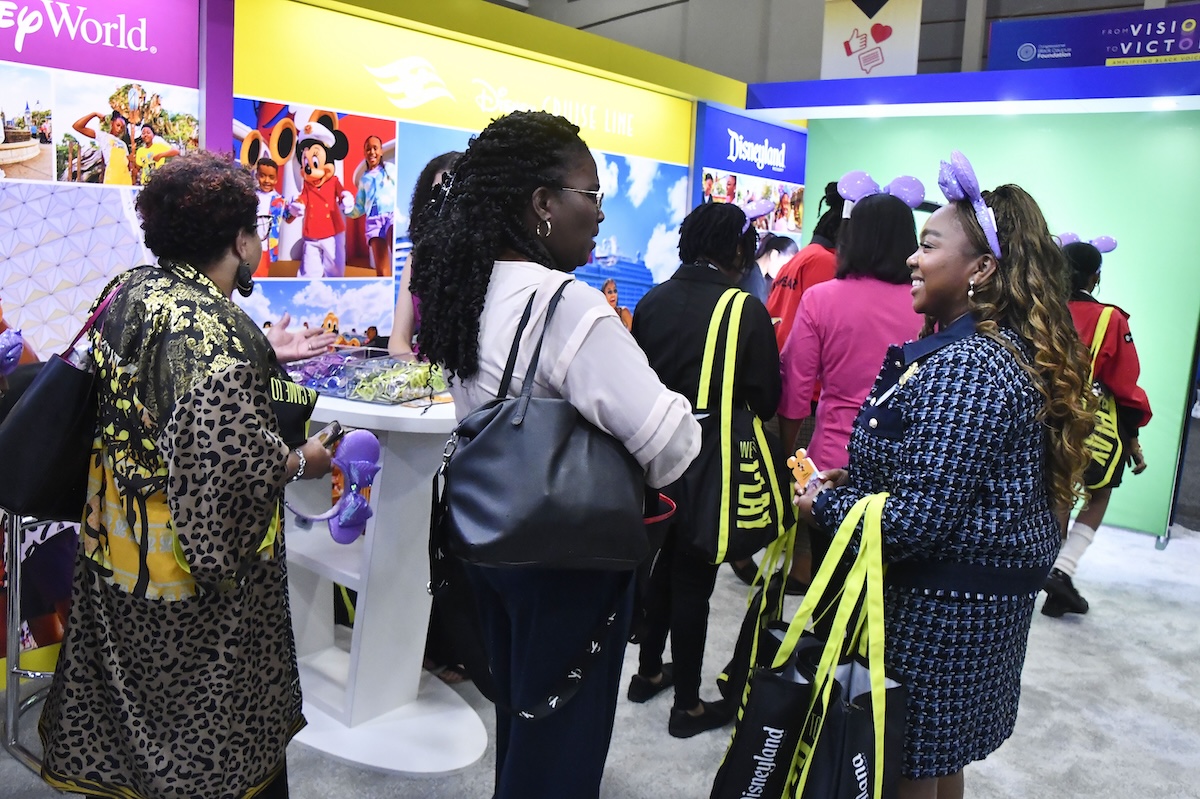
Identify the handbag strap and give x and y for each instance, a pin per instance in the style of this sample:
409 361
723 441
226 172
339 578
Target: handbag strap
511 366
531 371
1098 338
91 321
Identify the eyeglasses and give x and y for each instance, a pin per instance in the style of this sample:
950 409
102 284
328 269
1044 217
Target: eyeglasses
597 196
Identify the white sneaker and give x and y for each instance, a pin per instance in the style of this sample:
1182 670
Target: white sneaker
1196 410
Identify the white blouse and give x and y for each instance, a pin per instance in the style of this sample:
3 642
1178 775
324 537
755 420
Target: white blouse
588 359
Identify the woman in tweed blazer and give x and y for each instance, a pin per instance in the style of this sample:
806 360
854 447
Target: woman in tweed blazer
976 431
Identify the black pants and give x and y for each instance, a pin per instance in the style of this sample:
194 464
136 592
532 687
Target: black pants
278 787
676 603
536 625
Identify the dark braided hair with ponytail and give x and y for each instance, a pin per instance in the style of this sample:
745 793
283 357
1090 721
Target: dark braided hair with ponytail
717 233
480 212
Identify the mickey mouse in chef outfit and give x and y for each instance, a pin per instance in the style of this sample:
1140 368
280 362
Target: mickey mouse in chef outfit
322 202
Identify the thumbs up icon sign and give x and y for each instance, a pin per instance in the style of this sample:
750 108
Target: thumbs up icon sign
856 42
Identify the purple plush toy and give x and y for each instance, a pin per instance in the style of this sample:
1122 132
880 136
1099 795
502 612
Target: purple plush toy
11 347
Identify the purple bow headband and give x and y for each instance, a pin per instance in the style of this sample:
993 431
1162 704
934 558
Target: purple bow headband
857 185
11 347
357 457
1101 243
958 182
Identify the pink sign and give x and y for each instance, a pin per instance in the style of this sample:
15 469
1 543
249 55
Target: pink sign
140 41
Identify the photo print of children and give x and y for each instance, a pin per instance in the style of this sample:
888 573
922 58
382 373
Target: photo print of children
26 97
122 132
335 175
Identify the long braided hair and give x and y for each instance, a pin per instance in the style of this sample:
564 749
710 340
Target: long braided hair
1028 292
482 211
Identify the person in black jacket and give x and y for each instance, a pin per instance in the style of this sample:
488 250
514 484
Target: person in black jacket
717 247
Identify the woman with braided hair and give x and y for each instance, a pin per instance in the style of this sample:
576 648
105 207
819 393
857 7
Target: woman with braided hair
519 212
976 433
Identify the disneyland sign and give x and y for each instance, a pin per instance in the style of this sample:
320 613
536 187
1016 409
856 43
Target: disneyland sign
759 154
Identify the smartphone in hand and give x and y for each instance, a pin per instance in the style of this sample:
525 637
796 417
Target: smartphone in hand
330 434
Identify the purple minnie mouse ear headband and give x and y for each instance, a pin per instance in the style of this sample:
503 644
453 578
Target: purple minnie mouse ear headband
1102 243
856 185
958 182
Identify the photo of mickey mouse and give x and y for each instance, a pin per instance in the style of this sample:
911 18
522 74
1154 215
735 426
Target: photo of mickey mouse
331 174
323 202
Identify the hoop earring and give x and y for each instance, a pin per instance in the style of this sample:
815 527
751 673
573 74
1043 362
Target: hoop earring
244 283
971 289
538 229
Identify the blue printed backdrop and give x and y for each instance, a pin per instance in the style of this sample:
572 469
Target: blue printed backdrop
644 202
1135 37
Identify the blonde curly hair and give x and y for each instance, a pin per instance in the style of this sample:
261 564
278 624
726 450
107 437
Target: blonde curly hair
1028 292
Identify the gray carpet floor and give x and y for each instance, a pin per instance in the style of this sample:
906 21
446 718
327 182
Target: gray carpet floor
1110 704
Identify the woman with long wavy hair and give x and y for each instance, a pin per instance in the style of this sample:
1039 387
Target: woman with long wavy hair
519 212
976 432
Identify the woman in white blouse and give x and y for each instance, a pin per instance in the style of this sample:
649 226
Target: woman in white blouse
520 211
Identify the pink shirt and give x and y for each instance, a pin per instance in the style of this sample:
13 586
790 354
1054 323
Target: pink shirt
842 331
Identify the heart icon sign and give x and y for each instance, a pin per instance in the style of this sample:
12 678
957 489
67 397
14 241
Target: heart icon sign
880 32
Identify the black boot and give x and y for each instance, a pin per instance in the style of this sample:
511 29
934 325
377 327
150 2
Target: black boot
1061 595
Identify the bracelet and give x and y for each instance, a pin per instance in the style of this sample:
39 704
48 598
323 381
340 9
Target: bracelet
299 472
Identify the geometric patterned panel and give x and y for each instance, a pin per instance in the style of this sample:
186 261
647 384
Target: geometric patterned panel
59 245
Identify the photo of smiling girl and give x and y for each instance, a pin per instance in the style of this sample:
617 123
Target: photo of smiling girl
376 199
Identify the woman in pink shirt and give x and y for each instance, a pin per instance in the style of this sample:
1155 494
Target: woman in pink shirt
843 328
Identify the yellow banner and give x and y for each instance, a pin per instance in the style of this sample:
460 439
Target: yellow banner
376 69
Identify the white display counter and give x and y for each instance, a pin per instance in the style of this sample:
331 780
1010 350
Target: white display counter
370 702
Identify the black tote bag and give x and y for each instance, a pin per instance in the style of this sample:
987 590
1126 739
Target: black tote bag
733 499
530 482
46 439
815 699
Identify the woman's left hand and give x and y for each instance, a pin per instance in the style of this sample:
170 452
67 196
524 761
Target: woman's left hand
304 343
830 478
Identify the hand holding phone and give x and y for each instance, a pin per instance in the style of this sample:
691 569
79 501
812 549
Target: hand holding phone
330 434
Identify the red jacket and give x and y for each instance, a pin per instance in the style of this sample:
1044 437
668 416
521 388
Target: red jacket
1117 366
322 213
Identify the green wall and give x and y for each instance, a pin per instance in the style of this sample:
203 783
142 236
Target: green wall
1132 176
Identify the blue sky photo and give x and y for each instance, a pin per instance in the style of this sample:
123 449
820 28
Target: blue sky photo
644 200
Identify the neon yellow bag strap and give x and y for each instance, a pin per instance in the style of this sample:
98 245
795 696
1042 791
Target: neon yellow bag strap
821 582
1098 338
710 347
735 299
777 554
872 537
864 579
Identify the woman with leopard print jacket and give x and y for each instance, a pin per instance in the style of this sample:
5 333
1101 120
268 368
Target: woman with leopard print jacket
177 674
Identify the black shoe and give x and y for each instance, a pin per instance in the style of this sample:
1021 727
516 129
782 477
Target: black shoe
794 587
642 690
685 725
1059 586
1053 607
746 573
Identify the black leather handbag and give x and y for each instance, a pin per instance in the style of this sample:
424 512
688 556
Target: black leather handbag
530 482
46 439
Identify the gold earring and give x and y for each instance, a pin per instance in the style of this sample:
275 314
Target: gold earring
538 229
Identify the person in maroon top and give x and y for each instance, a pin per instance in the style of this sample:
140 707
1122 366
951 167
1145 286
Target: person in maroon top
1117 369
